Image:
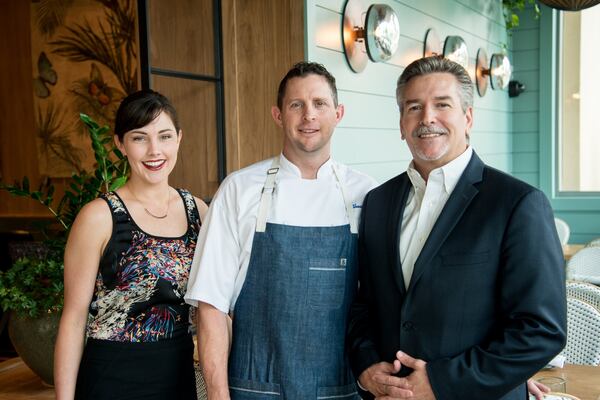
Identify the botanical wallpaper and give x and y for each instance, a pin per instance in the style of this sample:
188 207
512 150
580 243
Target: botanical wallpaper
84 55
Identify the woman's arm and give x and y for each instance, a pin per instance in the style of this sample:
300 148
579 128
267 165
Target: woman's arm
88 237
202 208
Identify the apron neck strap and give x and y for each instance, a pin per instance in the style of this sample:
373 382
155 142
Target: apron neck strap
269 187
266 196
347 200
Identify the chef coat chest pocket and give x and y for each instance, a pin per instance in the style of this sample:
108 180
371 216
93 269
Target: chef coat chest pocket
326 282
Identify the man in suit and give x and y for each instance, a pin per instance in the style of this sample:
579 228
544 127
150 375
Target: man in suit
462 292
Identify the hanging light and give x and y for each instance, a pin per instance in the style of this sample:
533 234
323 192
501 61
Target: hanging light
570 5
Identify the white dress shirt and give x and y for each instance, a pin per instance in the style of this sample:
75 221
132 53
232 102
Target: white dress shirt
424 205
225 240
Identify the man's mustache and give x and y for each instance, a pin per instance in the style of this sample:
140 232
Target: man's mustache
428 130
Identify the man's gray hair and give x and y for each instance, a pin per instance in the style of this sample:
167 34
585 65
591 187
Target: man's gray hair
435 64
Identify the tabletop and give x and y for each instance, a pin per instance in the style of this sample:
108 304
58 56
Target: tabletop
569 251
583 381
18 382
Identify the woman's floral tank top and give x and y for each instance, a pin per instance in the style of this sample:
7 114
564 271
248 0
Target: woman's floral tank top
142 278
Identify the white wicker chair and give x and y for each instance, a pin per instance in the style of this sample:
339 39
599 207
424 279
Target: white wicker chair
584 266
583 333
563 230
585 292
594 243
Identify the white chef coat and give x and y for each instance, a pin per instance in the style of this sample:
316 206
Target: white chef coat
225 241
424 205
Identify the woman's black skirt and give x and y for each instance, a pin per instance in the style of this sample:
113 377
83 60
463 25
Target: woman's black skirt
161 370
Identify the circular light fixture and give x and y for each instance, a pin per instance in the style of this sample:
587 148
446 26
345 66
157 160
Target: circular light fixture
433 44
482 72
353 36
383 32
455 49
376 37
500 71
570 5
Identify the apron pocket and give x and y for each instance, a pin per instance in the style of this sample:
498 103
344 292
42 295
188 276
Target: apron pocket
345 392
326 282
245 389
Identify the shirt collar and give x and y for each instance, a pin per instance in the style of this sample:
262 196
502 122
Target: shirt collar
451 172
325 170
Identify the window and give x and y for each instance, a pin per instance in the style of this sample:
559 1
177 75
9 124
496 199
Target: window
181 57
579 95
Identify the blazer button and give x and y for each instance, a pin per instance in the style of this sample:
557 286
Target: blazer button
407 326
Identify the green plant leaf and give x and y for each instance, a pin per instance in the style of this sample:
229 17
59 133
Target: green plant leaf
31 287
117 183
37 195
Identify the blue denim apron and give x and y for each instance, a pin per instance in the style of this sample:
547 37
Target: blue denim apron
290 318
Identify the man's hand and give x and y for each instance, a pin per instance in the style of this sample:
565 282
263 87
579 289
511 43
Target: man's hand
537 389
379 379
417 381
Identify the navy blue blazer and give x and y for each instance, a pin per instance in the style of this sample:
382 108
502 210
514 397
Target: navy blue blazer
485 307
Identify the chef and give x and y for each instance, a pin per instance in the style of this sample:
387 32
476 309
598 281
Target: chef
277 253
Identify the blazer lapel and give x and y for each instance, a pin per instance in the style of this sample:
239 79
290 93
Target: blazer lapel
457 203
394 226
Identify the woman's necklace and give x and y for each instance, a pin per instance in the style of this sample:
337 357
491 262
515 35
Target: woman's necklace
148 211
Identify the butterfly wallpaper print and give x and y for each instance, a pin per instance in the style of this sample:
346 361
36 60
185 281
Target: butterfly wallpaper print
84 58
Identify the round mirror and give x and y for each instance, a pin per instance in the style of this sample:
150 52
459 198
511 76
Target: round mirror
455 49
383 32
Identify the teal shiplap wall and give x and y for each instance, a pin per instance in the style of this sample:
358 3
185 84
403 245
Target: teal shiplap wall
534 122
526 137
368 137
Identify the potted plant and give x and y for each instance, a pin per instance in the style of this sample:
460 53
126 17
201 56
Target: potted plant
512 9
31 290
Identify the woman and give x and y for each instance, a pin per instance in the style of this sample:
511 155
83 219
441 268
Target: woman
127 262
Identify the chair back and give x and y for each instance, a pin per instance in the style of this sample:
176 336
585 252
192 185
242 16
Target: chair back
585 292
594 243
584 266
200 384
563 230
583 333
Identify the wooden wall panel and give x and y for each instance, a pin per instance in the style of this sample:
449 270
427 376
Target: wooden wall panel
18 156
181 35
196 168
262 40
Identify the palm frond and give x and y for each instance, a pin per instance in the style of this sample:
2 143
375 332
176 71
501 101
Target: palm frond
55 143
82 43
50 14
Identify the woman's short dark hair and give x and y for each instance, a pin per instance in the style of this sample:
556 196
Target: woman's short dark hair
140 108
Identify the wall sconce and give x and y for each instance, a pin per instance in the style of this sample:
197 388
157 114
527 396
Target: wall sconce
515 88
482 72
377 37
499 71
432 45
455 49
